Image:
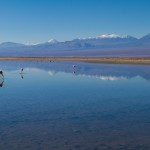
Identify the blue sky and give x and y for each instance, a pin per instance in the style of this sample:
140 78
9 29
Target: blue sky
40 20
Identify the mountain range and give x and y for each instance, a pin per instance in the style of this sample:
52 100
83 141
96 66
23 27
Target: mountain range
107 45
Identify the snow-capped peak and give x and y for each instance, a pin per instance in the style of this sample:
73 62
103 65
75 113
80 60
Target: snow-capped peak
52 41
112 36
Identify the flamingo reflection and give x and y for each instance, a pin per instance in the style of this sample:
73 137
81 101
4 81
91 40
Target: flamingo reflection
1 83
21 76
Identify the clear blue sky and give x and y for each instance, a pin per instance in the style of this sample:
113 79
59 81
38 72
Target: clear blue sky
39 20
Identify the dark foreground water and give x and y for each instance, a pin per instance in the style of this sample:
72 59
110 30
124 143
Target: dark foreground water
55 106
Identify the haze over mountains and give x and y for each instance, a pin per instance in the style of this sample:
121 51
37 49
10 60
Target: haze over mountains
108 45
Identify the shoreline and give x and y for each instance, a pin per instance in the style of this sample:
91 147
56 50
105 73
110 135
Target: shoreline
107 60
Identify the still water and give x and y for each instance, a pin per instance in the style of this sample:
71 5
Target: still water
55 106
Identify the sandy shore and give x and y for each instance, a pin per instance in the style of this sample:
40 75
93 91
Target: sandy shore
113 60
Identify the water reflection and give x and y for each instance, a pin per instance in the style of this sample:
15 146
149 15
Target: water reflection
102 107
111 78
21 75
1 83
51 73
104 72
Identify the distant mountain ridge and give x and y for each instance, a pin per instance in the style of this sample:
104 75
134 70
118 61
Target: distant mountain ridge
10 44
103 45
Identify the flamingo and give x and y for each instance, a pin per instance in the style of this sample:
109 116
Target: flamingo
74 66
1 73
21 71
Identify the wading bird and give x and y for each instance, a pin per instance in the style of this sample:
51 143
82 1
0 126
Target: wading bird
1 73
74 66
21 71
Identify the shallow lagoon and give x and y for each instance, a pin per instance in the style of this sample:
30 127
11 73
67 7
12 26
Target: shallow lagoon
53 106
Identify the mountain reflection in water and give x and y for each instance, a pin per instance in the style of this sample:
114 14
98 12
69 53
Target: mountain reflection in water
74 105
101 71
